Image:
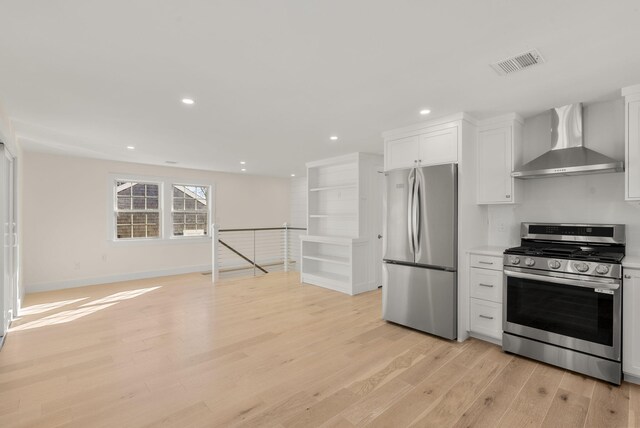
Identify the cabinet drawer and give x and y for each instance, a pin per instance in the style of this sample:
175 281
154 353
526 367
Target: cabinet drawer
486 262
486 318
486 284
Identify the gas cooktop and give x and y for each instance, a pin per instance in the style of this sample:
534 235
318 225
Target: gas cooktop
573 252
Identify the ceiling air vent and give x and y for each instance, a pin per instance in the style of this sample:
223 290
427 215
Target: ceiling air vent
518 62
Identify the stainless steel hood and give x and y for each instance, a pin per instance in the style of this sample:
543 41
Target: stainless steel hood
568 156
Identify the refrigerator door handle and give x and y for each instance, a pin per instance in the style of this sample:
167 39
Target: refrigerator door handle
410 231
416 213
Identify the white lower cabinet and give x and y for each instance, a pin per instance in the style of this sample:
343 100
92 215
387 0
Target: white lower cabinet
631 323
486 284
485 296
486 318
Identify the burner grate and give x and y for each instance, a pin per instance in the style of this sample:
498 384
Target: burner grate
603 255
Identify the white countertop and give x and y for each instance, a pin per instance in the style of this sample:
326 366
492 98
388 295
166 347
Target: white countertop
488 250
632 262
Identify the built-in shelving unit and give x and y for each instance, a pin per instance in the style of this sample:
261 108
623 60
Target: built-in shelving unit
342 250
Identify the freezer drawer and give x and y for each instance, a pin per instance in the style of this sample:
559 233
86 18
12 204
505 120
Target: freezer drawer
424 299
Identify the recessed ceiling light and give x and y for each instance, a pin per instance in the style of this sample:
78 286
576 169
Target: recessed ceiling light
293 175
333 138
242 162
188 101
131 147
243 169
171 162
425 112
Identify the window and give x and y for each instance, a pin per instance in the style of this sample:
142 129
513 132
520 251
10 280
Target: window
190 210
137 212
158 209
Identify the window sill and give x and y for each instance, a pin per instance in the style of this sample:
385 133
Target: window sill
177 240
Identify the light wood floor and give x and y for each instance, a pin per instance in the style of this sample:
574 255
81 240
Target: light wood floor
180 352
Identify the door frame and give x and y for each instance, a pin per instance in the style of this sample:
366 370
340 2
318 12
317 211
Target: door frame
9 302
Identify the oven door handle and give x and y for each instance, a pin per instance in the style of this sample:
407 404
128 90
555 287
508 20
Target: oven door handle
585 283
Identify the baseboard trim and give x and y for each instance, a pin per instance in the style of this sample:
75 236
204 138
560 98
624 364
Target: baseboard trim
631 378
486 338
83 282
364 287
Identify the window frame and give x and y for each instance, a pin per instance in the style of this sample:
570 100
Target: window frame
208 210
165 208
117 210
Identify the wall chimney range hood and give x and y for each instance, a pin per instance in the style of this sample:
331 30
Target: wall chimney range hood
568 156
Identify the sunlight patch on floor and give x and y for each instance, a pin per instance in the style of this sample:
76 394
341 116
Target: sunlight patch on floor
62 317
123 295
45 307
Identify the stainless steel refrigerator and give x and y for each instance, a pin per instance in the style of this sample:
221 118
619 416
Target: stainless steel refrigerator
419 286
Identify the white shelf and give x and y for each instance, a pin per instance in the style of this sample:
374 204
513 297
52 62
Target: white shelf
332 276
330 259
338 187
341 216
332 239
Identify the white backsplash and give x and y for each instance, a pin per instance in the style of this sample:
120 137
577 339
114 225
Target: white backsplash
597 198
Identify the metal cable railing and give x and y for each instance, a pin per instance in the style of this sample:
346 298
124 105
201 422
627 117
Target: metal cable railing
255 251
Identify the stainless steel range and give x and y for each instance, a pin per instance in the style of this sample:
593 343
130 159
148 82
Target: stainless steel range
563 297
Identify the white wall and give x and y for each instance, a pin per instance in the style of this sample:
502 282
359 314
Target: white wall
298 202
297 216
597 198
7 135
65 225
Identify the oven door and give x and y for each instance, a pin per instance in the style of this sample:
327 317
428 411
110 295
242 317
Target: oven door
567 310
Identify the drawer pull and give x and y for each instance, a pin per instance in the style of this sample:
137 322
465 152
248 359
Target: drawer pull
485 285
486 317
627 276
482 262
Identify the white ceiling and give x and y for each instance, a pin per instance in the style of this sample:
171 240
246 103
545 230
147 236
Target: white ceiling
273 80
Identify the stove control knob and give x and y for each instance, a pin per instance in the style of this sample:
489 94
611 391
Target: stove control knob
529 261
581 267
514 260
602 269
554 264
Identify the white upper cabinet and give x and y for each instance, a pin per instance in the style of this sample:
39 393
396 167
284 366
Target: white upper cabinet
632 143
431 143
439 146
402 153
498 153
